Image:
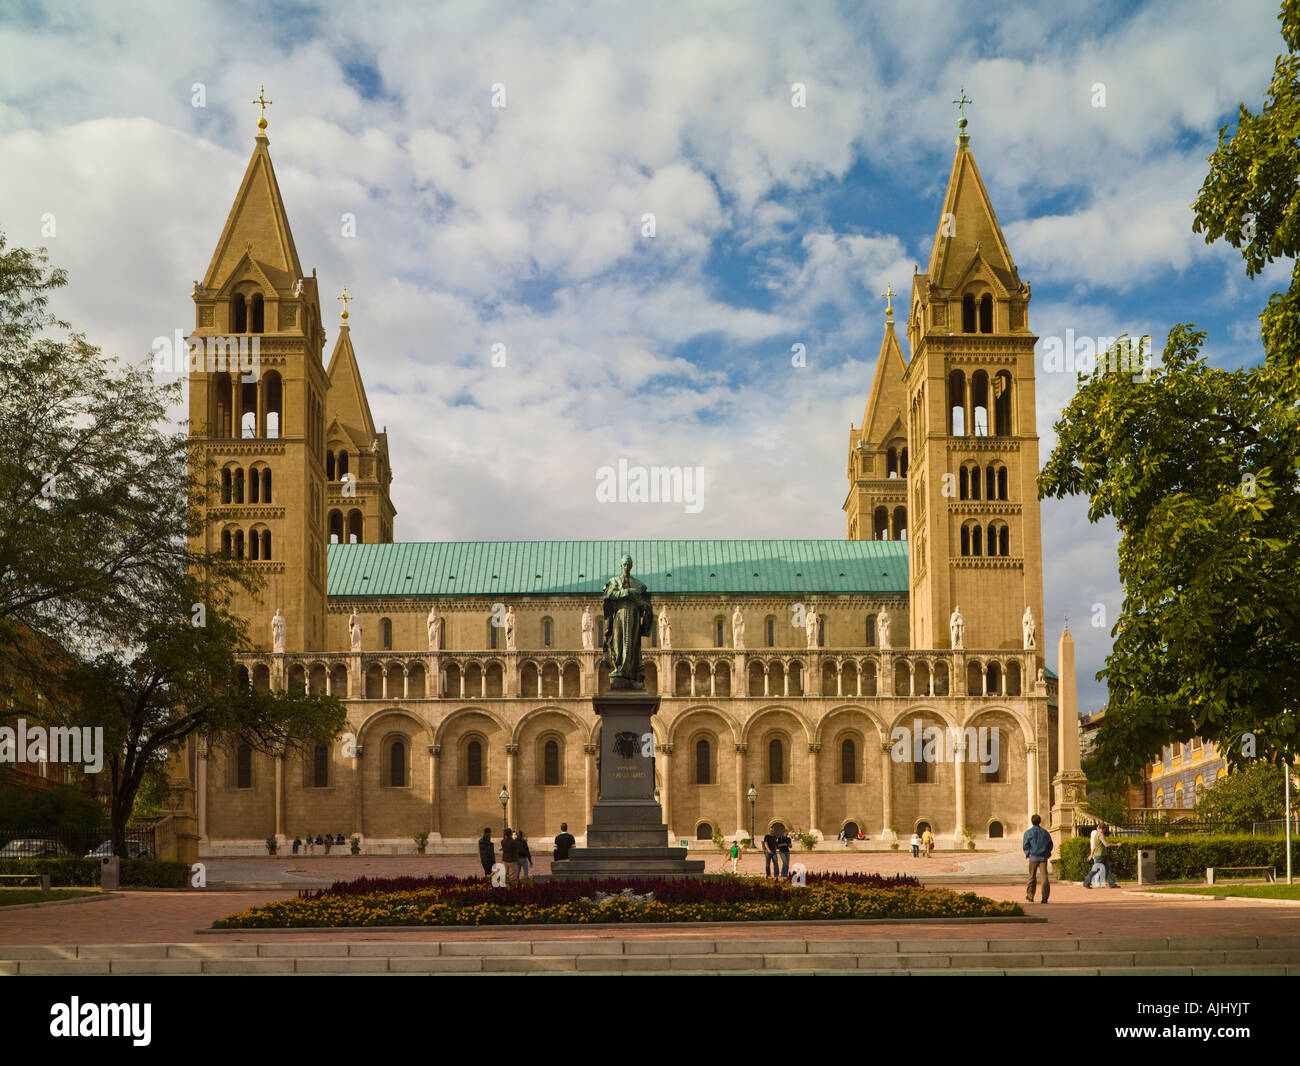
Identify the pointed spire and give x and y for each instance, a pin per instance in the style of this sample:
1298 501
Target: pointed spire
346 400
968 226
257 226
888 396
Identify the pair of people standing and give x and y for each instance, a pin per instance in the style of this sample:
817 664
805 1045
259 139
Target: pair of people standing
923 843
776 854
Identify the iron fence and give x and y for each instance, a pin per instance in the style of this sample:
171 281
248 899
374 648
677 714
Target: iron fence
27 842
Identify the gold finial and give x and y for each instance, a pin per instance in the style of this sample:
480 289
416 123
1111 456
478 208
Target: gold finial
263 103
345 298
888 294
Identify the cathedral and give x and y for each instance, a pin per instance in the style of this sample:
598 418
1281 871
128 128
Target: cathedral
871 686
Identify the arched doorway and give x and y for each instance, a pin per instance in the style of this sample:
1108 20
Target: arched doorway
851 830
704 831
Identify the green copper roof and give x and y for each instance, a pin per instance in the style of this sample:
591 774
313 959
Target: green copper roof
581 567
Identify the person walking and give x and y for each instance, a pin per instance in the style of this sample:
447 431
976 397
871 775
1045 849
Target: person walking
1037 845
563 843
733 853
297 843
783 843
311 844
525 855
510 855
487 852
916 843
1100 856
327 841
770 866
927 841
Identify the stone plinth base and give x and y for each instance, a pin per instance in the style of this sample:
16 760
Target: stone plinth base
627 836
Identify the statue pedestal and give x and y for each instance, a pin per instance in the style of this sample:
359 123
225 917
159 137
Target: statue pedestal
627 836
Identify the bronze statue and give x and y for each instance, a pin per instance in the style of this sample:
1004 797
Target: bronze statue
628 618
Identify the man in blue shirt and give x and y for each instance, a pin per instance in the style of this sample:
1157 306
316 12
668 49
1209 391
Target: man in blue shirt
1037 843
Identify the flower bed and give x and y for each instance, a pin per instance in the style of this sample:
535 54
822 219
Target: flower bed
452 901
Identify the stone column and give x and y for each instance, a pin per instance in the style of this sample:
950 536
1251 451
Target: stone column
742 789
406 682
859 692
279 798
713 681
664 753
814 750
461 671
203 793
767 680
785 677
887 834
435 796
1031 772
358 796
384 668
839 679
590 750
959 793
1071 783
885 676
692 679
513 804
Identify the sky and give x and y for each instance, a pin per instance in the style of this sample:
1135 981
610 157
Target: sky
128 126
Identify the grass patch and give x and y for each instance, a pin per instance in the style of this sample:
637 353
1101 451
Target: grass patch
1250 891
11 897
457 901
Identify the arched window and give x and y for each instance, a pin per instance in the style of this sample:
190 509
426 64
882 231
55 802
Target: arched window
474 763
704 831
244 766
986 313
880 523
775 762
238 314
329 466
266 485
1002 404
968 313
821 631
273 397
703 763
965 540
718 635
957 404
1002 483
900 523
336 526
891 462
974 474
237 485
848 762
258 319
1004 541
226 486
769 628
963 484
342 466
902 463
320 768
920 772
990 483
995 830
266 544
386 633
551 763
975 536
871 630
355 527
979 401
248 410
547 632
239 544
396 764
1178 794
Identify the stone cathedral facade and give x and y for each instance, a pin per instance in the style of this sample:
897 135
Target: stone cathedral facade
853 684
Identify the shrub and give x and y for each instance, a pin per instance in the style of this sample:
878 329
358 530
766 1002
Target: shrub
1180 858
808 840
136 873
356 845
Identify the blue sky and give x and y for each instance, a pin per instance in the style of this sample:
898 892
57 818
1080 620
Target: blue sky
522 225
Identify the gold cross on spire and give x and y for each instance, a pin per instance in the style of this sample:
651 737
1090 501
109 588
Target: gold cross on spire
962 102
345 298
888 294
263 103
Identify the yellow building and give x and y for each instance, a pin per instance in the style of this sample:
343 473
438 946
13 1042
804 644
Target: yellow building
888 681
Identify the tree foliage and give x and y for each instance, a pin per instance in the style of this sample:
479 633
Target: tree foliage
1253 794
1198 468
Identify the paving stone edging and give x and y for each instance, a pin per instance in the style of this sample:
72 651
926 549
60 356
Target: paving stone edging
58 902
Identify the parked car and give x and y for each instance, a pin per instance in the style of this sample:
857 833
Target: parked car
34 848
134 850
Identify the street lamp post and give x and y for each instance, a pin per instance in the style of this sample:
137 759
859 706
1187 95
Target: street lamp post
505 800
753 796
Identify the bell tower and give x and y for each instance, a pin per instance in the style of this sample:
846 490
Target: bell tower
876 506
976 541
257 401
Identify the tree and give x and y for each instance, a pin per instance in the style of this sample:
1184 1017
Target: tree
1198 468
1253 794
101 503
